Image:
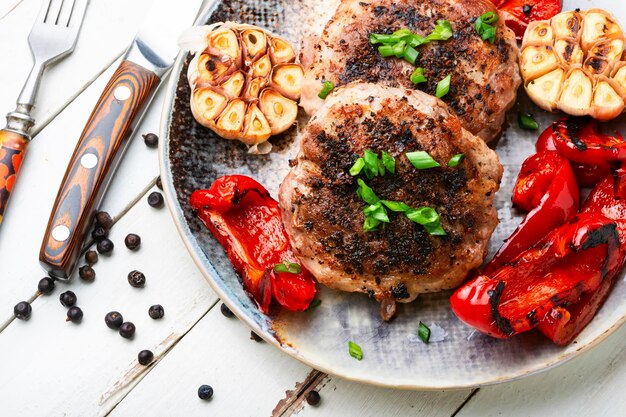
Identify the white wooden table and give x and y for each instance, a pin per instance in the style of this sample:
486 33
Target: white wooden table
50 367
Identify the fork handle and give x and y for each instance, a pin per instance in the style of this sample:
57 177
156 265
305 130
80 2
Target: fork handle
12 148
93 163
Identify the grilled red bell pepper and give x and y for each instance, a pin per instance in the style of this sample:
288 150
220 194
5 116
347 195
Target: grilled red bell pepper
547 188
569 262
517 14
247 222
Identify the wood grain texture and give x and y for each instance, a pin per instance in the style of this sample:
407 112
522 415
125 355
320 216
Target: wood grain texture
104 139
12 149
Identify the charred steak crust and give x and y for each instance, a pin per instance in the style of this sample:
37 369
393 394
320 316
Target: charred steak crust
324 216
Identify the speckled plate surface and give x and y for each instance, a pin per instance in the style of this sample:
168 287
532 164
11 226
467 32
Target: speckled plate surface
192 157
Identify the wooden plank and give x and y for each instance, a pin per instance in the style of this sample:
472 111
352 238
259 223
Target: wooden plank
86 369
248 378
589 385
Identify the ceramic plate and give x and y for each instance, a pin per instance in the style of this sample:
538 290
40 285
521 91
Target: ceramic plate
192 157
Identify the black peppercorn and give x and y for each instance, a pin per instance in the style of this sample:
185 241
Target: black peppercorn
105 246
22 310
68 299
156 311
145 357
46 285
74 314
313 398
132 241
91 257
155 199
255 337
127 330
151 140
113 320
99 233
104 219
136 279
205 392
86 273
226 311
159 183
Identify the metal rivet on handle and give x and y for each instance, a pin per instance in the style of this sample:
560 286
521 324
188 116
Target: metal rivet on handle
89 160
60 233
121 93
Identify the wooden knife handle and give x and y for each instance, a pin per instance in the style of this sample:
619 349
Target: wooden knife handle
12 148
93 163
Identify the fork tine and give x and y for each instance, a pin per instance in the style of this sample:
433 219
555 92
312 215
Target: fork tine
66 13
53 12
43 11
78 14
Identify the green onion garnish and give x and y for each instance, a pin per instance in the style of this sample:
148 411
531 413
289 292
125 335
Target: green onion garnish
410 54
484 28
402 32
314 304
427 217
423 332
388 162
355 350
327 87
366 194
416 40
357 167
376 38
443 87
386 50
455 160
396 206
418 76
398 49
289 267
376 211
421 160
527 121
442 31
371 164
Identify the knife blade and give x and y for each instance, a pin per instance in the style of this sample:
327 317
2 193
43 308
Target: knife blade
108 131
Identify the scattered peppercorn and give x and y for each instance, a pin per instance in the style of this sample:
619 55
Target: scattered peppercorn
87 273
46 285
205 392
226 311
22 310
156 312
99 233
313 398
74 314
127 330
113 320
145 357
159 183
91 257
136 279
104 219
132 241
255 337
151 140
68 298
105 246
155 199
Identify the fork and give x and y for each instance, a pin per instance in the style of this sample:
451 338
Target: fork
52 37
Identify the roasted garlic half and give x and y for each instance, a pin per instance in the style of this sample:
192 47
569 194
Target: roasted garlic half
574 62
245 83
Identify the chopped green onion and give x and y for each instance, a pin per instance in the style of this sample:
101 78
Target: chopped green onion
435 229
418 76
357 167
396 206
327 87
388 162
527 121
484 28
402 32
489 17
427 217
370 224
421 160
442 31
443 86
355 350
371 164
423 332
381 167
376 211
314 304
416 40
366 193
398 49
386 50
286 266
410 54
455 160
376 38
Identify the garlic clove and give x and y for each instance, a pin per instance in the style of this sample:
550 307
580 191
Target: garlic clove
610 49
619 76
597 24
537 60
538 33
567 24
596 65
568 51
253 88
224 43
234 84
281 51
287 80
256 128
231 121
262 67
577 93
212 71
607 103
545 90
254 45
206 105
281 112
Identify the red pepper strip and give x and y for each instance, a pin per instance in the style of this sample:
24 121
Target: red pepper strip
546 186
569 262
247 222
563 324
517 14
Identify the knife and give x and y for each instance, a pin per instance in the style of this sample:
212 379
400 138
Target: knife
108 131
